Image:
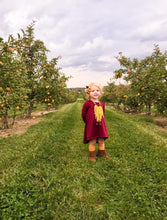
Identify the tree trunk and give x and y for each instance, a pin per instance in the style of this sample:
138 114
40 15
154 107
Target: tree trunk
47 108
5 120
14 117
29 110
148 107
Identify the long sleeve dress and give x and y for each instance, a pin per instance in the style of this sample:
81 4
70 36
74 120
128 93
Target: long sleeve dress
93 130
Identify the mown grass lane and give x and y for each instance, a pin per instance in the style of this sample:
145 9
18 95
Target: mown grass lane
45 173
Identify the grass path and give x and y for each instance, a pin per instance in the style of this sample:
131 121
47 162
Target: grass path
45 173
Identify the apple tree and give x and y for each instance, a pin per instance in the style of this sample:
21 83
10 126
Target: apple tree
12 91
146 77
52 84
33 56
109 94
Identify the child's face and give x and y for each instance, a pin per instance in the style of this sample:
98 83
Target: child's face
95 93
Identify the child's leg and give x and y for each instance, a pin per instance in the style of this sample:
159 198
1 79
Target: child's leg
101 144
92 150
101 148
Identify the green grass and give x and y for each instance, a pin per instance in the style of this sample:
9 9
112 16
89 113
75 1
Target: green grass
21 112
45 173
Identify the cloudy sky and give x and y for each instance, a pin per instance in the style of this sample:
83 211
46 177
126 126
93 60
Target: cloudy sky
89 34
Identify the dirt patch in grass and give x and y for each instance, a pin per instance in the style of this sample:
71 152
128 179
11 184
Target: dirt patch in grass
161 122
21 124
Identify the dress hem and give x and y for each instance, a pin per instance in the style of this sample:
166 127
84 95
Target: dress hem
87 141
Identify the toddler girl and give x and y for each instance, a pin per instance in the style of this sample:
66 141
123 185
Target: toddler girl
95 127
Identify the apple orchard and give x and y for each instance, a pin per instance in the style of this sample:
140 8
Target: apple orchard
146 84
27 77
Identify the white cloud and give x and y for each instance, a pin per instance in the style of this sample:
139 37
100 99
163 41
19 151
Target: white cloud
97 43
81 76
89 34
107 59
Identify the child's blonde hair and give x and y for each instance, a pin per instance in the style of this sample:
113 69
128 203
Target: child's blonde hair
88 90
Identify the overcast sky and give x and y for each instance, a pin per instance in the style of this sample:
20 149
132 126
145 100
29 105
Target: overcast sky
89 34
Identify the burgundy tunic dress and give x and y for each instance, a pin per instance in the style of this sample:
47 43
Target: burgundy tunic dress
93 130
